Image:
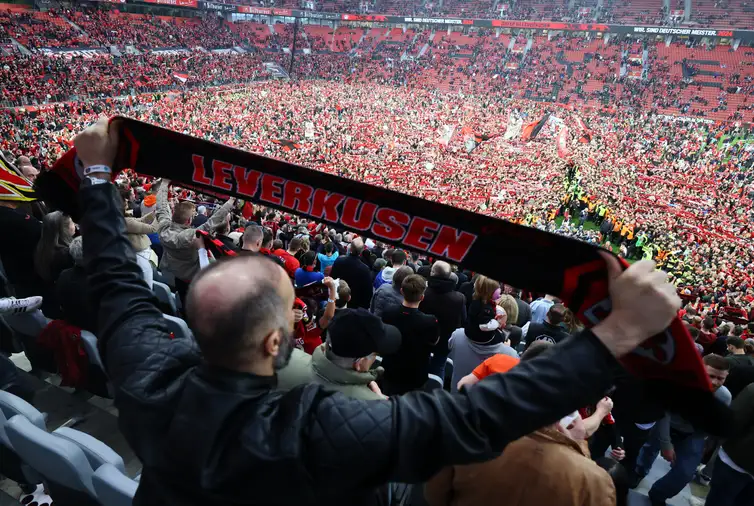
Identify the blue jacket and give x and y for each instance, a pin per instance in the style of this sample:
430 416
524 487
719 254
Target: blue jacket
303 277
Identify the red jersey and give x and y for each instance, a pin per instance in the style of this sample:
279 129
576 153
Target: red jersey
291 264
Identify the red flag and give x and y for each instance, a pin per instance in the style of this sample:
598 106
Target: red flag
248 211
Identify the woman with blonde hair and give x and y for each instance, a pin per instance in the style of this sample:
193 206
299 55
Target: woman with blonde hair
509 304
484 289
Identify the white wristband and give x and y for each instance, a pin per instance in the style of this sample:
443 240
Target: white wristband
97 168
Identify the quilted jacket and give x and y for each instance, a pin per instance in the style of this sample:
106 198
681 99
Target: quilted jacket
211 436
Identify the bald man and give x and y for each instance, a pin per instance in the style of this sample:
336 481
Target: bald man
258 241
356 273
210 428
23 163
442 301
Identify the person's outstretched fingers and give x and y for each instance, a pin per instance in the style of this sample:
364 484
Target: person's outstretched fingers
643 304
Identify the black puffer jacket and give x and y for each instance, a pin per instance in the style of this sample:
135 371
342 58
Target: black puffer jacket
211 436
442 301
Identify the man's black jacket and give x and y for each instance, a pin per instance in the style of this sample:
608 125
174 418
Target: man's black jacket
212 436
442 301
357 275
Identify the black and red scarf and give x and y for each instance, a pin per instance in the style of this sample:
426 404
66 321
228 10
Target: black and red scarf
517 255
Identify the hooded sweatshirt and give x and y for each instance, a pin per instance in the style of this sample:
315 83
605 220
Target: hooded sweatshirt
467 354
384 277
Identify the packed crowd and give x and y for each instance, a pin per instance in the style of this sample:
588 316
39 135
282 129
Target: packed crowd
652 187
618 73
322 307
302 310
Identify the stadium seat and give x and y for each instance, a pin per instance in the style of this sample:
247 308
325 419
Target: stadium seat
62 464
97 453
165 296
448 374
89 341
27 327
113 487
178 327
98 381
10 462
433 382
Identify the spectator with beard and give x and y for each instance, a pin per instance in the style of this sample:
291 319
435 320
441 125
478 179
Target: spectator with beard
352 269
343 363
550 329
707 335
741 372
389 295
177 236
397 260
73 291
448 306
407 368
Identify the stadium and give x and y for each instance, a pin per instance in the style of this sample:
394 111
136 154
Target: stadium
424 194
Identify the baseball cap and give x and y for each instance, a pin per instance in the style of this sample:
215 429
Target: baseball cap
356 333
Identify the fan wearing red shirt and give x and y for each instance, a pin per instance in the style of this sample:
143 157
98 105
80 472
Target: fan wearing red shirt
289 257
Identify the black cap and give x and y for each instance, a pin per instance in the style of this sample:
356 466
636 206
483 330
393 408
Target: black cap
356 333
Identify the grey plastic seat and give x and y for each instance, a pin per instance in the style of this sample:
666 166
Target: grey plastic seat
89 341
113 487
61 463
178 327
433 382
10 406
27 327
97 453
164 295
29 324
101 385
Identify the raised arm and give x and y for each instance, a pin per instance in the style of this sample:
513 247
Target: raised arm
136 226
218 216
411 437
163 213
131 331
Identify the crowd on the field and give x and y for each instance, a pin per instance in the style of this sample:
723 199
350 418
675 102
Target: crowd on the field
668 190
287 311
303 310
